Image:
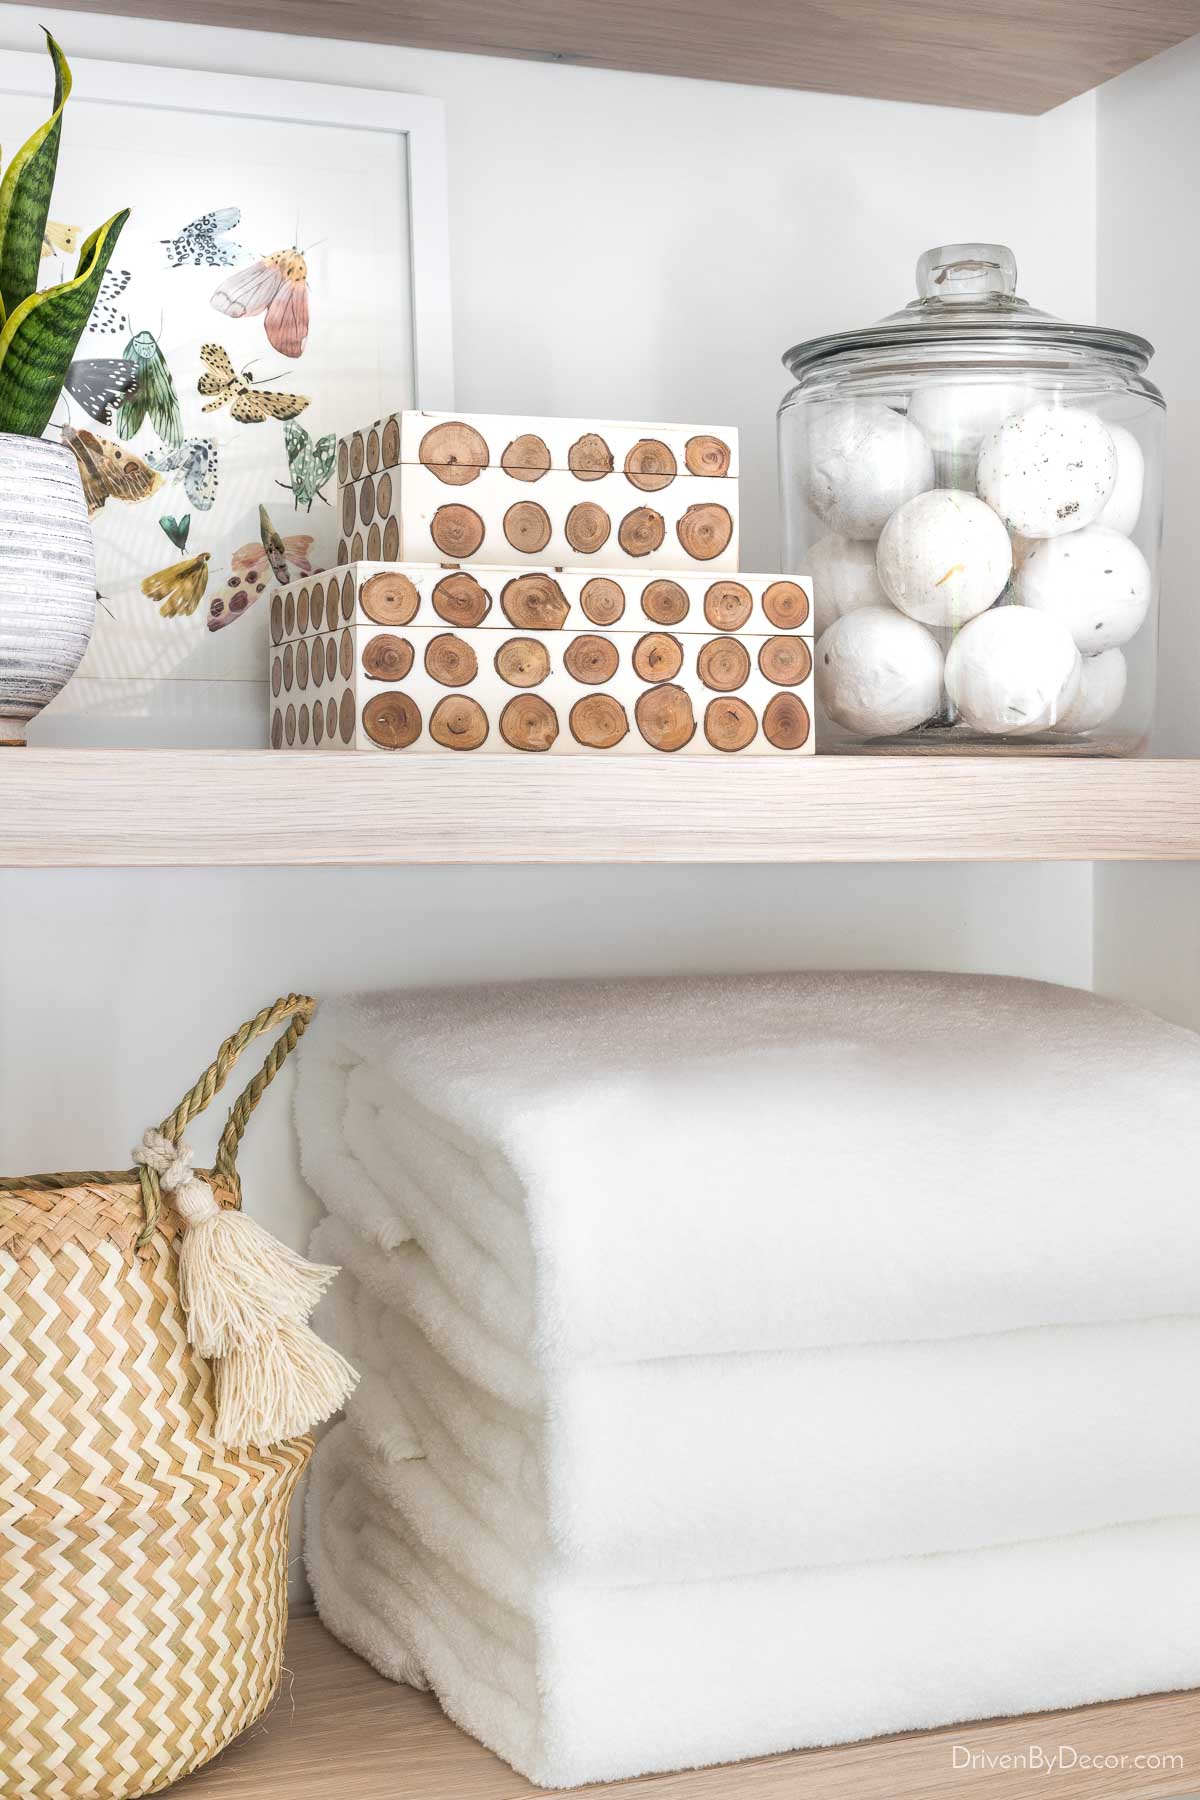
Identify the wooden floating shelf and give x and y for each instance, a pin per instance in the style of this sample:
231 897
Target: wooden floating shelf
338 1731
163 808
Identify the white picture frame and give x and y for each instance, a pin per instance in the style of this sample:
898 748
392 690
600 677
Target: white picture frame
158 700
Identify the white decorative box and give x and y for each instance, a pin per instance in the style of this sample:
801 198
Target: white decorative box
438 487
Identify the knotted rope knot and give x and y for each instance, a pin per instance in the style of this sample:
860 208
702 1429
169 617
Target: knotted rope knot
191 1197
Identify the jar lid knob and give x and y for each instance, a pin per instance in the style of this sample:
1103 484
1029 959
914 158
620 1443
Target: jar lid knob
961 273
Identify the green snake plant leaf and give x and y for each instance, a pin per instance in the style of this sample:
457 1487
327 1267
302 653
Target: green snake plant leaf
25 196
40 336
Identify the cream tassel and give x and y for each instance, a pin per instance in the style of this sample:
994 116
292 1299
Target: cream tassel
246 1297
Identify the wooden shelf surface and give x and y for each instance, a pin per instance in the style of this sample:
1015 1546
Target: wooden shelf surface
1004 55
338 1731
155 808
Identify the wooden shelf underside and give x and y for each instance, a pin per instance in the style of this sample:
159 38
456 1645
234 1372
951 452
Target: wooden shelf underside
132 808
338 1731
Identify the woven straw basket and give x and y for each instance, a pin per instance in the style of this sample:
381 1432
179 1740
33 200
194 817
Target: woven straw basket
143 1568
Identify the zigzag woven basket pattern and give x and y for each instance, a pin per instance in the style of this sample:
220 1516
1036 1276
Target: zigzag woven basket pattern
143 1568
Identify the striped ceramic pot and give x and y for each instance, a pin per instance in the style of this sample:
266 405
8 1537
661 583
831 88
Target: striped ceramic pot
47 577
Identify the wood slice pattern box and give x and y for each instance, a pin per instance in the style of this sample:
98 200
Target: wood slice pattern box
543 599
425 688
439 487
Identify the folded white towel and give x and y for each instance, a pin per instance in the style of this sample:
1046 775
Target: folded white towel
693 1467
603 1172
591 1683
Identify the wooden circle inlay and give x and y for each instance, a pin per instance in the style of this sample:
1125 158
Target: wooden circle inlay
527 458
289 616
358 455
374 543
332 602
657 656
302 613
454 452
289 666
343 463
331 661
347 596
786 605
276 618
366 500
665 718
450 660
665 602
527 527
289 724
587 528
346 654
522 662
302 664
590 457
705 455
602 600
456 530
303 725
331 718
641 531
389 598
458 723
529 723
591 660
723 664
705 530
277 730
387 657
349 510
729 724
391 540
346 717
318 722
786 661
373 449
392 720
356 548
277 674
534 603
786 722
598 721
727 605
383 495
651 465
461 600
318 663
391 442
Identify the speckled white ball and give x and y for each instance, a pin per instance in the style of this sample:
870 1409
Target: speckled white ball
864 461
1124 504
878 672
844 577
1048 471
1096 582
943 557
1101 691
954 418
1012 671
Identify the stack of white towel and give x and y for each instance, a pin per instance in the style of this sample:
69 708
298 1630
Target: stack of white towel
757 1363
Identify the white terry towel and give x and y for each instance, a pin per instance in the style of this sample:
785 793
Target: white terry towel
590 1684
694 1467
611 1171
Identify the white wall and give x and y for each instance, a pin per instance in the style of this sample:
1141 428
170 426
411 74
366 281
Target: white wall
1147 917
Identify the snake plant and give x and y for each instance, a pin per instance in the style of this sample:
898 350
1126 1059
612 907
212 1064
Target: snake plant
39 332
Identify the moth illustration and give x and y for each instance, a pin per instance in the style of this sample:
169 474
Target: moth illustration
107 315
178 590
257 567
177 530
154 396
248 404
109 471
196 461
63 239
277 286
100 383
204 243
310 464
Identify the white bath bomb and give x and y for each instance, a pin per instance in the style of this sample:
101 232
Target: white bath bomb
1124 504
943 557
864 461
1101 691
844 578
1096 582
1013 671
954 418
1048 471
878 672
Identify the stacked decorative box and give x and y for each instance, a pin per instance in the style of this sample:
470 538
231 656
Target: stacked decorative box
602 614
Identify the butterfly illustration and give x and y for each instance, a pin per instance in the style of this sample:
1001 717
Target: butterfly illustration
310 464
249 405
100 383
107 315
196 461
277 286
109 471
177 530
154 397
255 568
178 590
63 239
203 242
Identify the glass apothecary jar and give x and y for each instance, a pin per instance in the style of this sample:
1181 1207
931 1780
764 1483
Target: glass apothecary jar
975 488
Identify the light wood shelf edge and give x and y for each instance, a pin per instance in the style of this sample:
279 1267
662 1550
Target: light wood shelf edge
338 1731
147 808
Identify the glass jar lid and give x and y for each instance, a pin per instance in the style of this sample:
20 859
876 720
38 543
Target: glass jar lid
967 297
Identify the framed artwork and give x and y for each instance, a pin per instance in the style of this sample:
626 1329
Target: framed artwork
283 278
